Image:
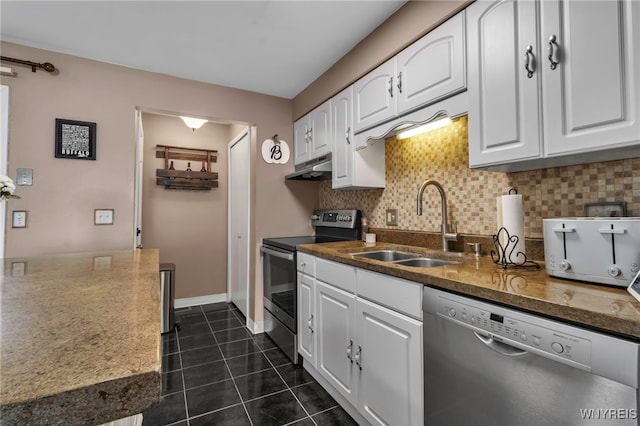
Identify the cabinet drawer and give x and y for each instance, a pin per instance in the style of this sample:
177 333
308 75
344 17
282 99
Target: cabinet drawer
306 264
395 293
336 274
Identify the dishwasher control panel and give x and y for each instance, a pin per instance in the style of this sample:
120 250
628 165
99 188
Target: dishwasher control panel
518 330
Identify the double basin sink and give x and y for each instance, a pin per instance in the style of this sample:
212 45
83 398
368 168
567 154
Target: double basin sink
404 258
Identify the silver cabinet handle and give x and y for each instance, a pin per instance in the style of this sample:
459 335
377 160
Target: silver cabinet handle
399 85
310 322
358 357
303 265
348 139
529 61
390 89
552 52
349 350
311 134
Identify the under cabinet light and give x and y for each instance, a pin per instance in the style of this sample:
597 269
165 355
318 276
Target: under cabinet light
445 121
193 123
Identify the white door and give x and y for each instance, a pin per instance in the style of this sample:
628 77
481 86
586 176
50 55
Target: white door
137 222
342 135
374 97
238 227
306 318
433 67
336 311
592 96
4 146
301 140
320 137
503 96
390 389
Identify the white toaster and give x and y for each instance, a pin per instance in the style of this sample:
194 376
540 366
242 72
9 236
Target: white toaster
593 249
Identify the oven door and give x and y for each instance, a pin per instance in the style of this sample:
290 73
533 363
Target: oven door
279 267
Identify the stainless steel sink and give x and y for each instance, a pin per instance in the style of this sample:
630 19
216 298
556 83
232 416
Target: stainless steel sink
388 255
404 258
424 262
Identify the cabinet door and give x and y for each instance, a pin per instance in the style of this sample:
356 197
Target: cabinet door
374 97
390 383
336 313
301 140
433 67
306 319
592 97
503 97
342 135
320 136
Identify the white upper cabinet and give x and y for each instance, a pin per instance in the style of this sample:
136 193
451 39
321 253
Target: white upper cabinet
350 168
503 96
427 71
553 82
432 68
591 98
374 100
312 134
342 134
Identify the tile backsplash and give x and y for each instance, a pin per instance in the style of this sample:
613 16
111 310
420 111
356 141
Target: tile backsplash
471 193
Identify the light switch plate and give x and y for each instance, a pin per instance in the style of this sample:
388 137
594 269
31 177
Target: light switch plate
24 177
392 217
103 217
17 269
19 219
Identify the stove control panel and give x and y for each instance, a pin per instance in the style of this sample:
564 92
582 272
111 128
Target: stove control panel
513 329
337 218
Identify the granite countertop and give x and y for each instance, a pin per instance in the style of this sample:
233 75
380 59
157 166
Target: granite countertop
80 337
606 308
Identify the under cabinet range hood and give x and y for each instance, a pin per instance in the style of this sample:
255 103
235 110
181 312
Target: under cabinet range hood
316 169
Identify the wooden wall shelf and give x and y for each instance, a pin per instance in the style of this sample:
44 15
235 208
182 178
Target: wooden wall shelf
182 179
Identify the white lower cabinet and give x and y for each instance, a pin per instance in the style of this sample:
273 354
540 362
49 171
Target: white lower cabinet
307 342
370 354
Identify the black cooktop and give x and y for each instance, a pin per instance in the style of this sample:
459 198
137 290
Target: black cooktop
291 243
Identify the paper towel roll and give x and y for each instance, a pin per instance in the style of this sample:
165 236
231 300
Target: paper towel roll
511 217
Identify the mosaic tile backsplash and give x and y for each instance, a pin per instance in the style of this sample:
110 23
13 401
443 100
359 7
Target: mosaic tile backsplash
471 193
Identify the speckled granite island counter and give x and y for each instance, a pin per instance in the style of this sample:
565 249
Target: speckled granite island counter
80 342
606 308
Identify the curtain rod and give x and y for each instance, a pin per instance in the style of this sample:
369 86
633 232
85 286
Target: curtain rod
47 66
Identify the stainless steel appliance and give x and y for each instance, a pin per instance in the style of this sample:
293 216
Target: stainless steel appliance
280 275
490 365
593 249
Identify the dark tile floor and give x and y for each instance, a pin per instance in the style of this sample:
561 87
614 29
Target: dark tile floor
215 372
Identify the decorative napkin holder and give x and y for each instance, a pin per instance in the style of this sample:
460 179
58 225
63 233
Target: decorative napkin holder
505 251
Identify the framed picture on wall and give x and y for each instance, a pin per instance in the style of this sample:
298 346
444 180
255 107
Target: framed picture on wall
75 139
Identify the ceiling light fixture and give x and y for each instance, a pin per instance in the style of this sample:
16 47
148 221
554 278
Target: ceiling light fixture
193 123
445 121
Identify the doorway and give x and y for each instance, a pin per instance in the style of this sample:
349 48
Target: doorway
189 227
239 208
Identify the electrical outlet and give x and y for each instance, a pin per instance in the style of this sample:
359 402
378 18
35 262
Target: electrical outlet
392 217
103 217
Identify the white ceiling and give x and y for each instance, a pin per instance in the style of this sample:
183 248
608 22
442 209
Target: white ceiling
272 47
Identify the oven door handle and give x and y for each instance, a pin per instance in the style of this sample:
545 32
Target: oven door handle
275 253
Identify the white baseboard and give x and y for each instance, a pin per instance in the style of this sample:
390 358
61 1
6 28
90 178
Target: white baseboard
200 300
255 327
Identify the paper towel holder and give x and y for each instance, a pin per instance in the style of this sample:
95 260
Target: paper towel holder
503 255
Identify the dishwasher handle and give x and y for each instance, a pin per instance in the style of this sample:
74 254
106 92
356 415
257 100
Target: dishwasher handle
500 347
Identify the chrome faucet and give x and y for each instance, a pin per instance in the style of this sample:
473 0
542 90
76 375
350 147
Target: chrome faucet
446 236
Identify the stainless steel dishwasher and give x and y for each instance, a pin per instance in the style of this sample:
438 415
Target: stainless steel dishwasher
489 365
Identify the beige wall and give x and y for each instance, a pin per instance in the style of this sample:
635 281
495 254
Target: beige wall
65 192
189 227
443 155
409 23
